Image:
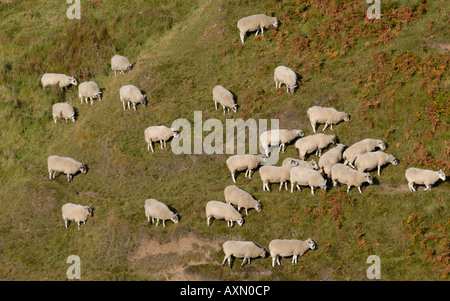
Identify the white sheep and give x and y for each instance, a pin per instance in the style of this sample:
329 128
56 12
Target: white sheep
64 165
76 213
241 198
244 162
289 247
224 97
157 210
423 177
362 147
311 143
53 79
62 111
329 116
278 137
132 94
343 174
300 176
372 160
255 22
159 133
220 210
311 164
276 174
330 158
121 64
89 90
242 249
287 76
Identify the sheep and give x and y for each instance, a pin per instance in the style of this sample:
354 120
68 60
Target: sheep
371 160
285 75
300 176
224 97
159 211
276 174
89 90
329 116
242 249
278 137
317 142
240 198
220 210
330 158
289 247
306 164
423 177
159 133
62 80
343 174
244 162
361 147
63 110
65 165
132 94
255 22
76 213
121 64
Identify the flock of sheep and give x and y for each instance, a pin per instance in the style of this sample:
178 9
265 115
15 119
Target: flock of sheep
341 164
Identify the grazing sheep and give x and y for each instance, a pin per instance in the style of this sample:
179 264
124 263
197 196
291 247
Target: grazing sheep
159 211
240 198
62 111
132 94
89 90
255 22
343 174
65 165
306 164
76 213
278 137
225 98
159 133
285 75
423 177
329 116
241 249
219 210
317 142
62 80
121 64
276 174
361 147
244 162
289 247
330 158
300 176
372 160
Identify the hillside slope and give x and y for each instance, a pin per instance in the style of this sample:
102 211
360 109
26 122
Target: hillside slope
391 75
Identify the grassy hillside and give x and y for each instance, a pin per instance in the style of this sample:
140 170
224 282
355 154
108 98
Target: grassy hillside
391 75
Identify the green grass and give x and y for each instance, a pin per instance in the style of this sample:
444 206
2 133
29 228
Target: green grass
390 85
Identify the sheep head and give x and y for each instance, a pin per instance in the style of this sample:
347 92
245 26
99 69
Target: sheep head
441 175
312 244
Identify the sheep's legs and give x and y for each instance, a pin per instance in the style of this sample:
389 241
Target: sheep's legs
124 106
162 144
215 103
359 188
207 221
312 190
164 223
232 176
157 222
262 30
242 37
313 126
273 261
348 188
78 225
256 33
66 222
379 169
428 187
326 125
150 146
